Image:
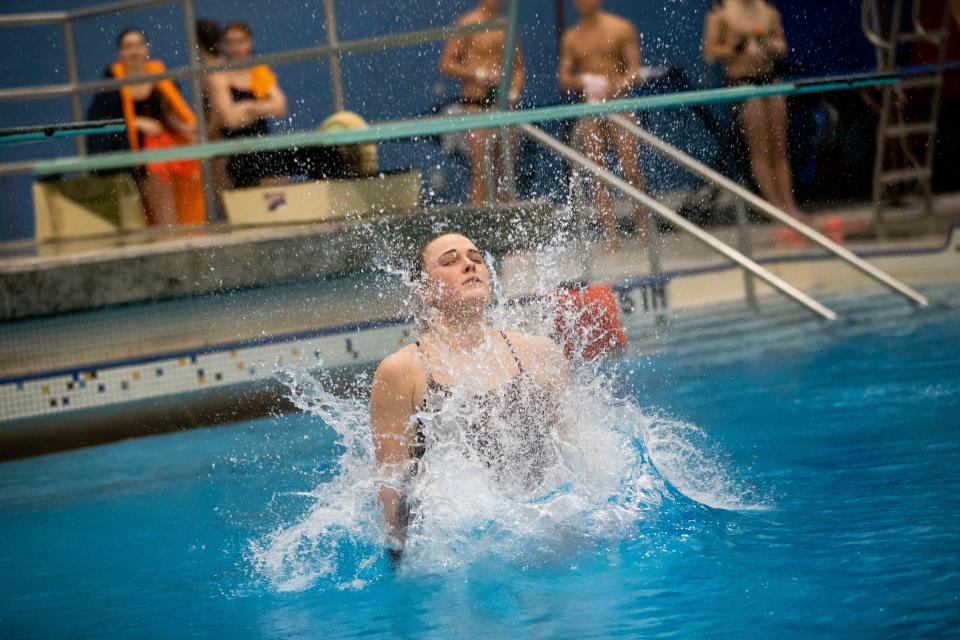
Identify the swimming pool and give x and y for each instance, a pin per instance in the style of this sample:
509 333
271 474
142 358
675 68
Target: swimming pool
834 449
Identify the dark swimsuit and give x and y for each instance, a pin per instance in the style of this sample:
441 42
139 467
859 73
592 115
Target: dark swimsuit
246 170
511 433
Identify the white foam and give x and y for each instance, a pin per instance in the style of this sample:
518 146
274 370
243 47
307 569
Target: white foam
608 475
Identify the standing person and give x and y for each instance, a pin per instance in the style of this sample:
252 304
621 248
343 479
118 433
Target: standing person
600 60
476 60
500 389
746 37
156 116
209 38
244 100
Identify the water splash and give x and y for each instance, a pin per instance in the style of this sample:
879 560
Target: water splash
607 474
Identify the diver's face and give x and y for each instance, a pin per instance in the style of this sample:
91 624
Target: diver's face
133 50
237 44
457 278
587 7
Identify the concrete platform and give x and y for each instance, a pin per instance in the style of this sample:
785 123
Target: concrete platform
159 264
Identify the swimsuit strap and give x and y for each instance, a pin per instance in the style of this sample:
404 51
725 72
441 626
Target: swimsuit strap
426 367
426 364
512 352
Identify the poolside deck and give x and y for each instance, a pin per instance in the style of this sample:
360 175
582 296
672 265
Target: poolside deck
116 339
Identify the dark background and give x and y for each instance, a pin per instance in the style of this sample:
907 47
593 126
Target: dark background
824 38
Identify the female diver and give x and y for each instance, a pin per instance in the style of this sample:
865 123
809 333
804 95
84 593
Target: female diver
501 388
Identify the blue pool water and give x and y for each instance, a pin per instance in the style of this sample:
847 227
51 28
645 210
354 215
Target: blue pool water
837 450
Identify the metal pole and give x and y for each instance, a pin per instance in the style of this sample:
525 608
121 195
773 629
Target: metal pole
506 68
679 221
196 85
746 248
70 49
765 207
336 73
880 144
489 181
363 45
941 41
503 99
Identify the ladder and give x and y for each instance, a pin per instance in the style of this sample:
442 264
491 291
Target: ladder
905 145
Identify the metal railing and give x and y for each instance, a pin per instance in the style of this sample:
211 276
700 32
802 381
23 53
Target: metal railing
678 221
195 70
420 127
769 210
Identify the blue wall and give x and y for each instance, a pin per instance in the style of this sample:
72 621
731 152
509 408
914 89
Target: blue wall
824 35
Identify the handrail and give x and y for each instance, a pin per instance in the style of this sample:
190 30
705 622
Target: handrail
117 7
866 13
679 221
37 18
765 207
362 45
440 125
33 19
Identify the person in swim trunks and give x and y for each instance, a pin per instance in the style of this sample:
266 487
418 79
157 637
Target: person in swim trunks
511 382
475 60
600 60
746 37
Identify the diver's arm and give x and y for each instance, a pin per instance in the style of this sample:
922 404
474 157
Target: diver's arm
391 408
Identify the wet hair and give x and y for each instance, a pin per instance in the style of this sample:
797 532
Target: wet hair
239 26
209 34
128 31
418 267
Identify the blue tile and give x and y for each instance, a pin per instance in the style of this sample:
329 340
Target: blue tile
101 388
159 372
66 400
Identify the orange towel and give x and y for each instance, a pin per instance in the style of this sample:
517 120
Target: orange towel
262 80
184 174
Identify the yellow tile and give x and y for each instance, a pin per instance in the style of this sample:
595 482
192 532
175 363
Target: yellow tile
136 375
45 389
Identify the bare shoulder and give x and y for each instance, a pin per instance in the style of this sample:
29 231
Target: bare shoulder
537 349
771 13
399 368
571 36
621 26
470 18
